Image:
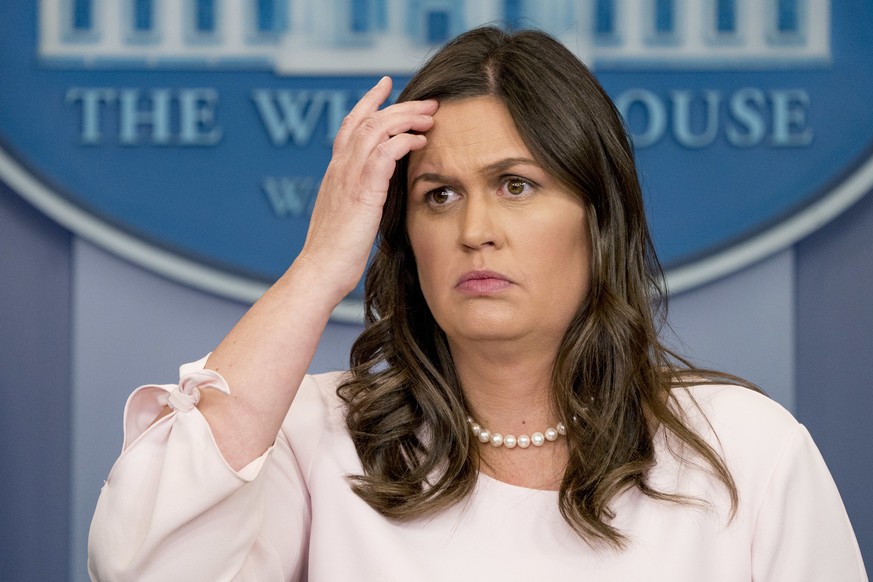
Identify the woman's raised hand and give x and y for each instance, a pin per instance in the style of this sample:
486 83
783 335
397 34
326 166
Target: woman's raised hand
266 354
346 216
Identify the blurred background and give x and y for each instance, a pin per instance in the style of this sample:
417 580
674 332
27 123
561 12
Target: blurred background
158 160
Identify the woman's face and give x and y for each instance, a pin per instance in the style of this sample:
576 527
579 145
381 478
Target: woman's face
502 248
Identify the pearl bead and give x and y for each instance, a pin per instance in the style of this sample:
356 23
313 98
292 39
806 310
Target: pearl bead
496 439
509 441
561 428
551 434
537 439
484 435
476 429
524 441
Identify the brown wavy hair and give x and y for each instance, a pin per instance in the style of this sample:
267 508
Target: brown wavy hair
405 406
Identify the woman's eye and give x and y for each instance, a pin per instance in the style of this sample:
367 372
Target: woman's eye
517 186
440 196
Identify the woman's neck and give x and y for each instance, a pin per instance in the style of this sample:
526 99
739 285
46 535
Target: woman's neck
506 387
508 391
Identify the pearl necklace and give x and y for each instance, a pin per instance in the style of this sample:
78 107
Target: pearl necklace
509 441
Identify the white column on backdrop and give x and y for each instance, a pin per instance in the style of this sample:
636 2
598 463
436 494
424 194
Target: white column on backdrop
170 21
233 23
109 16
396 12
754 17
691 21
631 25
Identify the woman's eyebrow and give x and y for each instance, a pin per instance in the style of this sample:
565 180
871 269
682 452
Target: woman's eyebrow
491 169
501 166
430 177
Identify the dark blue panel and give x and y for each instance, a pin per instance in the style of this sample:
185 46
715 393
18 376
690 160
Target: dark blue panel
143 18
35 392
360 16
788 17
726 16
604 17
513 13
266 15
82 17
205 16
664 17
835 355
438 26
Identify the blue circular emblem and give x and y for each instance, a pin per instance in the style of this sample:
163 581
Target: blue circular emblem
190 136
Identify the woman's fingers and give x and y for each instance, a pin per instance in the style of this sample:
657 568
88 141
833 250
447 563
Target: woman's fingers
377 172
392 121
368 104
372 140
366 122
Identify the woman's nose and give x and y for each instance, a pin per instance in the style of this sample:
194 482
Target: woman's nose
479 224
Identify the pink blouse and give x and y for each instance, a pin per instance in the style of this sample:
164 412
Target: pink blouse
173 509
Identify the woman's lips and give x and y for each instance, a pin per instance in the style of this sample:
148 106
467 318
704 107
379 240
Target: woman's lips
482 283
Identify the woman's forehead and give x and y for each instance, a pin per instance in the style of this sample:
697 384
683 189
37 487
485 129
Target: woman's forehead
471 132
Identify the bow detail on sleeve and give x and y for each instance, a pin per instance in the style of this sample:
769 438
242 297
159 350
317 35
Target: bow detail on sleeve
186 395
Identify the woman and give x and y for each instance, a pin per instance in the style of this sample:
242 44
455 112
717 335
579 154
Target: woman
509 413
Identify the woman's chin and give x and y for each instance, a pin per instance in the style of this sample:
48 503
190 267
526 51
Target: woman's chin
489 327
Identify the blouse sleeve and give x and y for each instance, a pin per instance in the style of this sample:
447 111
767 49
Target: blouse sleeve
802 531
173 509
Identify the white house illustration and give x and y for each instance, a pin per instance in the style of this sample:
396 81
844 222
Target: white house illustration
394 36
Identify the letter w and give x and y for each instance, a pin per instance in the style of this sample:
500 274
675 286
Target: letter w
290 196
289 114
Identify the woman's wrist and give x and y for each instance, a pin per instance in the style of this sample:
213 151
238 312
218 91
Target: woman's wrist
323 285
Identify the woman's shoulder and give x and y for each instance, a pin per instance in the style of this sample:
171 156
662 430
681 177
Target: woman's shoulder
789 507
751 433
733 406
744 425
